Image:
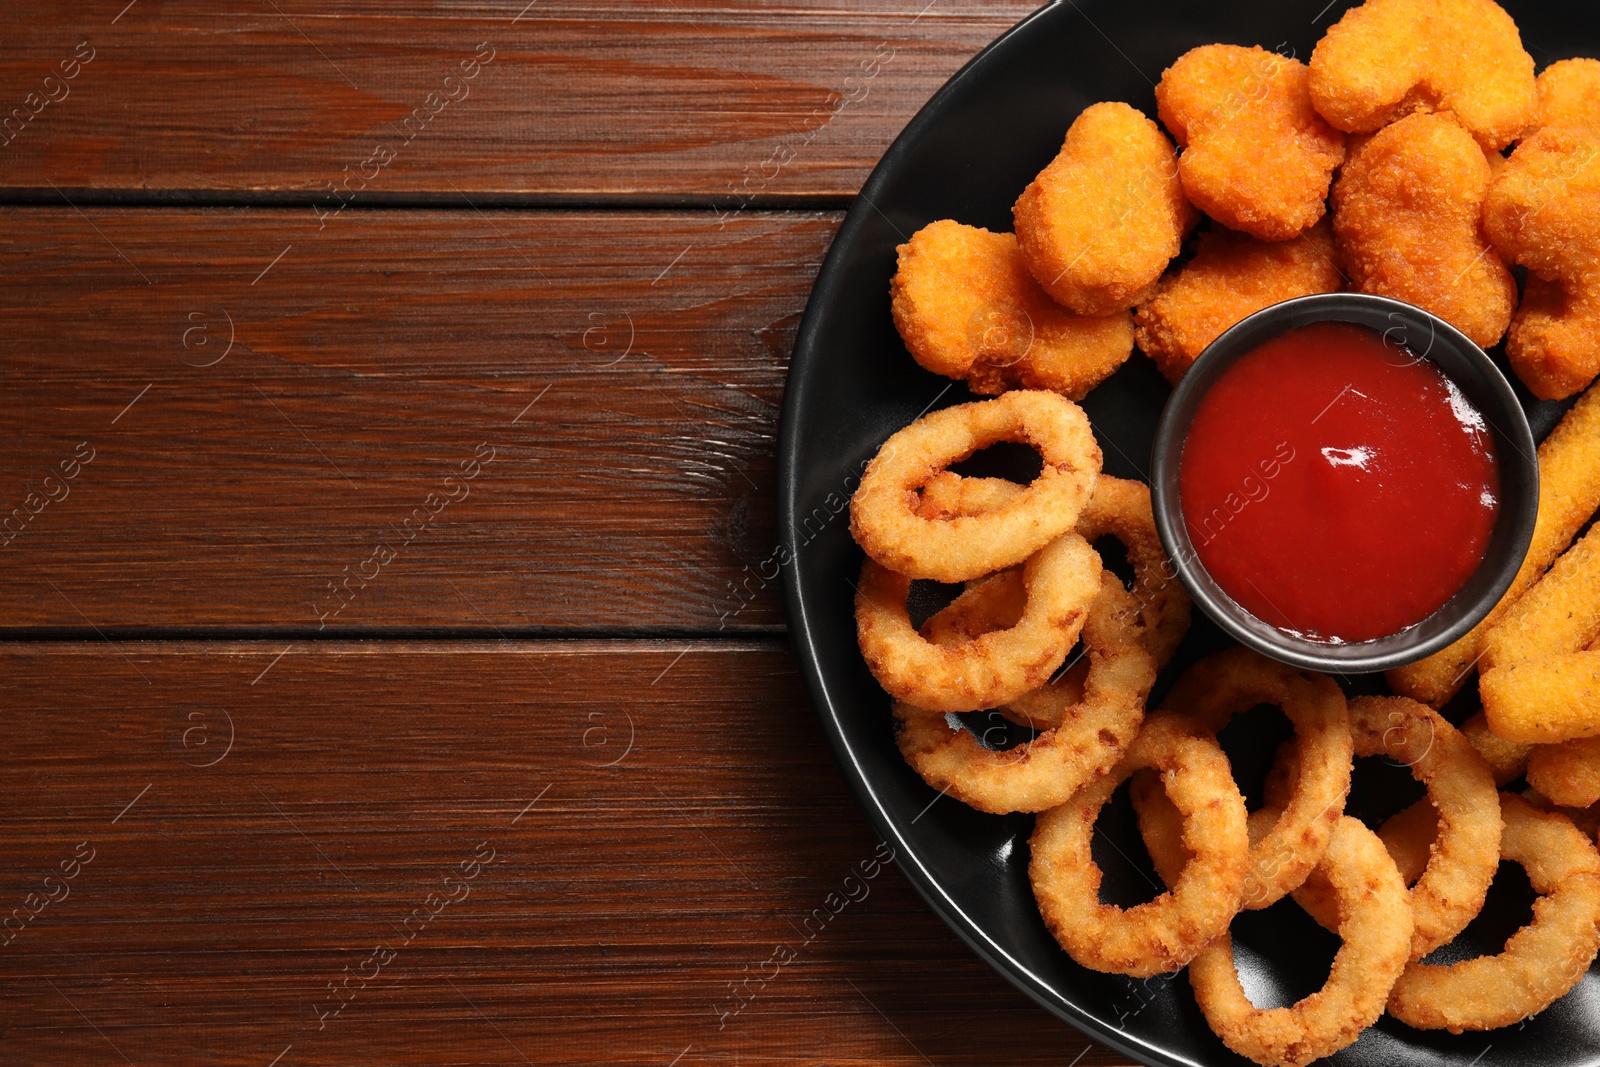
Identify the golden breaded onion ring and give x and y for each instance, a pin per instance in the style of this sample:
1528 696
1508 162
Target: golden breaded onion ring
1164 934
1462 800
1119 508
1236 680
1376 929
1088 739
1062 581
883 517
1543 960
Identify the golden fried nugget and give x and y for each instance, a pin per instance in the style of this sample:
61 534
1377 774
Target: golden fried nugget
1256 156
1102 221
1544 212
1390 58
1507 760
967 307
1406 212
1231 277
1568 773
1569 95
1560 614
1569 493
1544 701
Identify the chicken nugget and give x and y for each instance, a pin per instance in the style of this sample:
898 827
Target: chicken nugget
1389 58
1102 221
1407 214
1256 156
1544 212
1231 277
1568 773
1569 95
967 308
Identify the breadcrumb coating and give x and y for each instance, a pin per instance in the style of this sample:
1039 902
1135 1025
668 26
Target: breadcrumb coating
1231 277
1256 155
1105 217
967 308
1390 58
1407 212
1544 213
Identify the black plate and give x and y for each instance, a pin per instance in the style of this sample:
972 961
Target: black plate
967 156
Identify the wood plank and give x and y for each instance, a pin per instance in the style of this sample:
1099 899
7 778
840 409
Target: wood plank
683 100
601 389
621 830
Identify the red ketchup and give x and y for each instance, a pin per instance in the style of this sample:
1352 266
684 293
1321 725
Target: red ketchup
1337 486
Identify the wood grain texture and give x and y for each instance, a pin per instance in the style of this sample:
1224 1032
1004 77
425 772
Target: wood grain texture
225 887
267 484
686 100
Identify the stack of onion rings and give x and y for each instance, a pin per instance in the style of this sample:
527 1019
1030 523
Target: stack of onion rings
1462 811
1236 680
1062 580
1089 736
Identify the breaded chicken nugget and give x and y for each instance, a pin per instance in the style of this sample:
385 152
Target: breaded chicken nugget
1568 773
967 307
1389 58
1256 156
1103 220
1407 214
1544 212
1569 95
1231 277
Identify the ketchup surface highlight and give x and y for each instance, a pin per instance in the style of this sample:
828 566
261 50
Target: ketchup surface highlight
1337 486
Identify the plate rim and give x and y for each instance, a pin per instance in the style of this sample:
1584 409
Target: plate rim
796 387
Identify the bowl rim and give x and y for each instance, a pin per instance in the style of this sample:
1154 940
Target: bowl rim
1516 459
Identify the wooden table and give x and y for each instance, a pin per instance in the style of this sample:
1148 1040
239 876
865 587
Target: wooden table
390 398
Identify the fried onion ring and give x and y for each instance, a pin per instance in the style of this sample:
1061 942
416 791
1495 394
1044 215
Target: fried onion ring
1376 928
1543 960
1062 581
1164 934
1460 819
883 518
1119 508
1089 738
1236 680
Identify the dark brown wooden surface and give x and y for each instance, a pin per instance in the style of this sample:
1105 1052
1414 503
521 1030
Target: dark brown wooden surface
677 99
228 886
225 389
367 364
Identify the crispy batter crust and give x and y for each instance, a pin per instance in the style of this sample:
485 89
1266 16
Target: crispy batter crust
1256 155
1543 960
1164 934
1407 214
1544 212
967 308
1102 221
1390 58
1231 277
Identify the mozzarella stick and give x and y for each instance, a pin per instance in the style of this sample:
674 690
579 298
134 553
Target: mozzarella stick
1560 614
1569 492
1544 701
